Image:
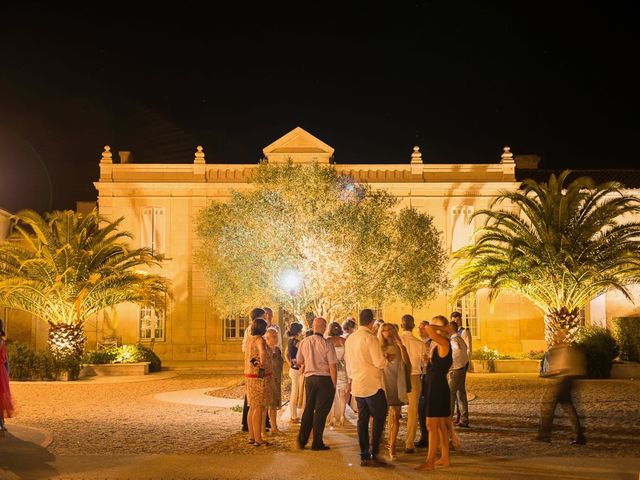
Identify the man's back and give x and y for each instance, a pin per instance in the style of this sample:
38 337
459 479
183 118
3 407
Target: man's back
416 349
459 352
465 333
364 361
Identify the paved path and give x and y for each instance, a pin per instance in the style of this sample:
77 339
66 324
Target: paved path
24 454
34 462
198 397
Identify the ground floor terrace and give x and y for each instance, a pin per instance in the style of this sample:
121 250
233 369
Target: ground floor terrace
176 425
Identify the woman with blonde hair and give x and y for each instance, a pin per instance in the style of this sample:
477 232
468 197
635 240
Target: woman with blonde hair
394 378
437 394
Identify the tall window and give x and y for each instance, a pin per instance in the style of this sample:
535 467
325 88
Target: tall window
151 324
468 307
153 229
461 227
234 327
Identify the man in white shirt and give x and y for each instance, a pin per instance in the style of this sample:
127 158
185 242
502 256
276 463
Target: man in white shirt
465 333
457 377
365 361
417 350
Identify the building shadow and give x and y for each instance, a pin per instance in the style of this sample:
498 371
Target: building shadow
25 459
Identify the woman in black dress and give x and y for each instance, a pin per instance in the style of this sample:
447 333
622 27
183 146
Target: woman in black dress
437 394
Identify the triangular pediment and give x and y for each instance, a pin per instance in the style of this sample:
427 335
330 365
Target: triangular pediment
298 146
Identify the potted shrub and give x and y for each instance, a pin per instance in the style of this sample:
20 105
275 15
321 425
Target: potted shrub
484 360
122 360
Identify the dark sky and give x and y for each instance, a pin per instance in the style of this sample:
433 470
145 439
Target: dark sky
460 79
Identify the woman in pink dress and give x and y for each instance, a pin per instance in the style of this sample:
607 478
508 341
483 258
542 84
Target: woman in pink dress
6 406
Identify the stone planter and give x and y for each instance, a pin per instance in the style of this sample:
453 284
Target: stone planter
482 366
517 366
625 370
114 369
505 366
64 377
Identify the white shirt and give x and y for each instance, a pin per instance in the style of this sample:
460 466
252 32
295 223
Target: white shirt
466 336
458 352
364 361
415 348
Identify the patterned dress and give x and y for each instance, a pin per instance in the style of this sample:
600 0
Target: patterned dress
259 390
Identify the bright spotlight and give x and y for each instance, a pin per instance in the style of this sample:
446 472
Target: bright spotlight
290 280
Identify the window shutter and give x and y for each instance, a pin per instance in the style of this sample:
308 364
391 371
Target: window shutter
159 234
146 233
462 227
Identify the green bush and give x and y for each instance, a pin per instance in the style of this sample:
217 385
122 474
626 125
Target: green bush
485 353
26 364
147 355
124 354
23 362
532 355
100 357
627 330
600 348
71 364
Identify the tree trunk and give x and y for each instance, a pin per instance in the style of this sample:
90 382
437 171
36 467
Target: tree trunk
561 326
65 340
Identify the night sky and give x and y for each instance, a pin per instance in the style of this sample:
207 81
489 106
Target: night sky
460 79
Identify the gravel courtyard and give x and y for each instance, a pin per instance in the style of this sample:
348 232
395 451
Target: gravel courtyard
117 418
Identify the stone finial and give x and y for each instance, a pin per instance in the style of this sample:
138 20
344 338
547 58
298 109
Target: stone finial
106 155
416 156
199 158
507 156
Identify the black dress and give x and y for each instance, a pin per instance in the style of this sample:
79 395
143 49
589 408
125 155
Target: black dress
438 394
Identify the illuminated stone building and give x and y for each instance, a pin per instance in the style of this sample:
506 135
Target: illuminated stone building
159 203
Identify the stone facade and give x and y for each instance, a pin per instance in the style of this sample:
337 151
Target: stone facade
169 196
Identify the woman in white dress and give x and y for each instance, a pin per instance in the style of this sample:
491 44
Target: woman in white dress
342 385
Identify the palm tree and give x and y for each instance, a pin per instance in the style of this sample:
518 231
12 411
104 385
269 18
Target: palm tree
65 267
561 247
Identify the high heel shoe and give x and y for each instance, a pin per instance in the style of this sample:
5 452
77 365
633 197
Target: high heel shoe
393 454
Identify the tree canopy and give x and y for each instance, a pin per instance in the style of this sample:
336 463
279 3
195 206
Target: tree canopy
558 245
349 245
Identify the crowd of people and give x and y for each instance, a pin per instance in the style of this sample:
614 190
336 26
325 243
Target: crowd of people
375 367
